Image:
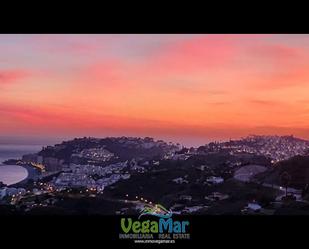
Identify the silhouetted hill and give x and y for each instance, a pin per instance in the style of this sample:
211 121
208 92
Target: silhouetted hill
124 148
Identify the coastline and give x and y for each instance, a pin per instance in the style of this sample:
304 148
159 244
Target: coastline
15 152
32 173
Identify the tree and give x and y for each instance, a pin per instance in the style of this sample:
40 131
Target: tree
305 190
2 184
285 180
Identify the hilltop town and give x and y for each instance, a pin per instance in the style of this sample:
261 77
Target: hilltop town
120 175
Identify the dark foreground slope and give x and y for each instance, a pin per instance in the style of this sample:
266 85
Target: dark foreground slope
297 168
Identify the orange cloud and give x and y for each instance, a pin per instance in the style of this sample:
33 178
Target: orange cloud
106 73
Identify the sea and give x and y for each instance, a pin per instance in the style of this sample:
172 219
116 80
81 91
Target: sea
11 174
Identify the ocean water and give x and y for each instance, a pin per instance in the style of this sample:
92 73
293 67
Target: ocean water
16 151
11 174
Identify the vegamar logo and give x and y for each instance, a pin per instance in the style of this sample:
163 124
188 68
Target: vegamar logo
161 227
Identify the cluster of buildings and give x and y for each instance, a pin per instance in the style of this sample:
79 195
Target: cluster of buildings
66 177
214 180
180 180
50 164
275 147
8 191
176 156
95 154
146 143
75 180
55 158
97 170
18 193
211 180
187 206
90 176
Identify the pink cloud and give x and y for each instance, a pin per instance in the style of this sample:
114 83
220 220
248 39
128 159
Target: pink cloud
278 54
114 75
104 73
73 47
189 57
66 44
196 54
276 50
25 113
275 66
10 76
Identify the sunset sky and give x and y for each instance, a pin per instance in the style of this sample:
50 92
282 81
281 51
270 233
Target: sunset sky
184 88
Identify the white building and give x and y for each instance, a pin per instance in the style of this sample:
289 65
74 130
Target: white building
185 197
180 180
138 169
217 196
11 191
254 206
215 180
125 176
192 209
202 167
3 192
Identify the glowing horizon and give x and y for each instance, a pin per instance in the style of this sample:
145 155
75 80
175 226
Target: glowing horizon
185 88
